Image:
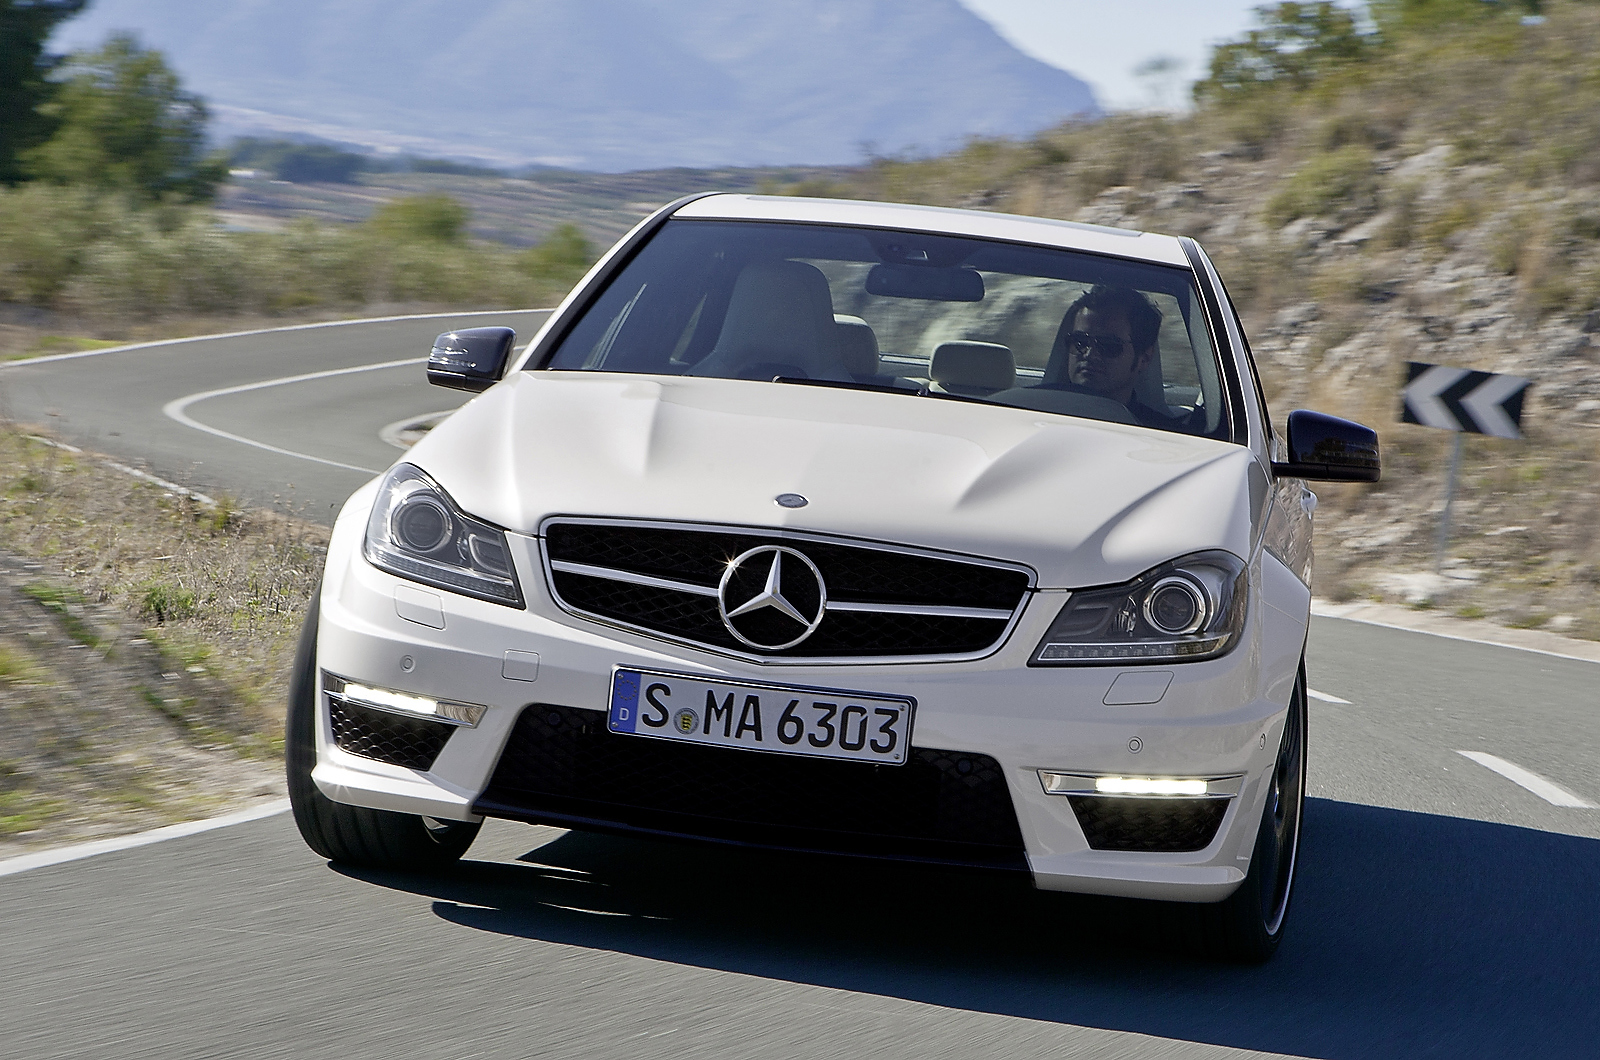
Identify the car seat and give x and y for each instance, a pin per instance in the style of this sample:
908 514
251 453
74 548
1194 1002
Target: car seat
972 369
779 322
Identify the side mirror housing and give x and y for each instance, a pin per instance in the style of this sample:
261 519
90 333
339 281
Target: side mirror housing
470 359
1327 449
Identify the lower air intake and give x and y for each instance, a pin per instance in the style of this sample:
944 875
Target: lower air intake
562 766
1164 824
384 737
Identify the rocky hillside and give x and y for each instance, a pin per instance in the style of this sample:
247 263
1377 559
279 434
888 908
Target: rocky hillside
602 84
1428 192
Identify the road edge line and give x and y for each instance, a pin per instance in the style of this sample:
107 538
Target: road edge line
79 851
1495 635
48 358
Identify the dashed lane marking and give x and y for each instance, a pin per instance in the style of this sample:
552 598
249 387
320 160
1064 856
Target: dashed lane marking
25 862
1550 792
1314 694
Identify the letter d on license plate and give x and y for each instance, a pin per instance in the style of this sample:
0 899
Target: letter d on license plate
781 719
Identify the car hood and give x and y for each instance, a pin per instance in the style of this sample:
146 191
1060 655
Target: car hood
1080 501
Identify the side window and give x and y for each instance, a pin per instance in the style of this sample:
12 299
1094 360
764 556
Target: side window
1250 359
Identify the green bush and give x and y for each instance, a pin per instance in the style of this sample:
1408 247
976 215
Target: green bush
1342 180
434 218
45 235
167 603
563 257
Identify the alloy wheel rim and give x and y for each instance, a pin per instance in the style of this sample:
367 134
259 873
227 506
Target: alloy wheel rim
1285 805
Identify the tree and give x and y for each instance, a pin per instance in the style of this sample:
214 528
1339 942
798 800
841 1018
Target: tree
1296 44
25 68
299 163
126 124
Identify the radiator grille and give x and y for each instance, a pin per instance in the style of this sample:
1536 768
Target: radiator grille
881 603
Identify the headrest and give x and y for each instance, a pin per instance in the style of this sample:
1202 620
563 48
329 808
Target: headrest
780 315
858 343
962 366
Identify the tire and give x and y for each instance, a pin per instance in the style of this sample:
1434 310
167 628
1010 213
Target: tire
1247 926
354 835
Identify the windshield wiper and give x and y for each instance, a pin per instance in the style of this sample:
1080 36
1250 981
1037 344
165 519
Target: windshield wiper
842 384
882 388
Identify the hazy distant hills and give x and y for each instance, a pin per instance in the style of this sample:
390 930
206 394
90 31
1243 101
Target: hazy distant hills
603 84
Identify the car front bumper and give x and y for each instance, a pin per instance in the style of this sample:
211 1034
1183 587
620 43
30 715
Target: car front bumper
1219 718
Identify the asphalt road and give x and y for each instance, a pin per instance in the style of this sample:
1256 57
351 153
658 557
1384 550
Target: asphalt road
1441 909
116 402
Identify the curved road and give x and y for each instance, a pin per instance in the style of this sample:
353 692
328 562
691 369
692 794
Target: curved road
1448 905
312 399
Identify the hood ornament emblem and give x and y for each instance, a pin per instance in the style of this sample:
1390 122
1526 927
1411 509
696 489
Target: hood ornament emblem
791 500
772 597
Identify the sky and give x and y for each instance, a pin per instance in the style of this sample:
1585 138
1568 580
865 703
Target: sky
1105 41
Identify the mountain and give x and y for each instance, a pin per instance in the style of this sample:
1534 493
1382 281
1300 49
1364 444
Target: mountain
602 84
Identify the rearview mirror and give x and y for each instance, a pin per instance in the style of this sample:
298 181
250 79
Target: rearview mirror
930 283
470 359
1328 449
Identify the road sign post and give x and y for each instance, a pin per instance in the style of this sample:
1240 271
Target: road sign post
1467 402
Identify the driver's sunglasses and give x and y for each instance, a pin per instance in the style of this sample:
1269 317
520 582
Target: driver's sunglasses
1107 346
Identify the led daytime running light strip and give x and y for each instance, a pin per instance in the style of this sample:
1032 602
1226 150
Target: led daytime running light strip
1140 787
387 699
1148 786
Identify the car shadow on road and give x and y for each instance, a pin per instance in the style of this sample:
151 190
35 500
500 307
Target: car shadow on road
1412 935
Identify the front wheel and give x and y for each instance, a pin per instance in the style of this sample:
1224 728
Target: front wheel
354 835
1248 925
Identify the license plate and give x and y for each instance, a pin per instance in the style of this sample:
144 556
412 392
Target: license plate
782 719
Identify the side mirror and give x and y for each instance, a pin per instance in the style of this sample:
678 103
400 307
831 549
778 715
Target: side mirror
1328 449
470 359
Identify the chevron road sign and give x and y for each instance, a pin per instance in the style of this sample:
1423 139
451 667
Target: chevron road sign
1454 399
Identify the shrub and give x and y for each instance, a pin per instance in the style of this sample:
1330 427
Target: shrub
433 218
166 603
565 255
1342 180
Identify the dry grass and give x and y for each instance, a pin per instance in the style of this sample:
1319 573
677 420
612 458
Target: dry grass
145 643
220 586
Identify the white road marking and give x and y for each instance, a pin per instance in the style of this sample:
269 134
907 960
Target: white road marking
1554 794
1314 694
258 331
175 409
25 862
390 433
171 487
1500 638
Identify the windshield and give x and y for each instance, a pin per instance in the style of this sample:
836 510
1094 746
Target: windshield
1050 330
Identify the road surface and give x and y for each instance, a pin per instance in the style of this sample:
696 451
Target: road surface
1448 902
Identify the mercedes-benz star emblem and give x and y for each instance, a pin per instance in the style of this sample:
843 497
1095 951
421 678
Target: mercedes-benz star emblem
772 597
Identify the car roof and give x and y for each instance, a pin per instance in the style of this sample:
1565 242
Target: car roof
980 224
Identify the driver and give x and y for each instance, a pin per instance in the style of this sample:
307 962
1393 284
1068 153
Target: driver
1110 336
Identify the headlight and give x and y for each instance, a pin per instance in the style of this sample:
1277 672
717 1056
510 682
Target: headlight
1191 608
417 532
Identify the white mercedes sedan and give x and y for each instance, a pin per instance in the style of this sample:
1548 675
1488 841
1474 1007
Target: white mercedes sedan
852 528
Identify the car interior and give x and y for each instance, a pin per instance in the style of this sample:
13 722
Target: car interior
926 314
